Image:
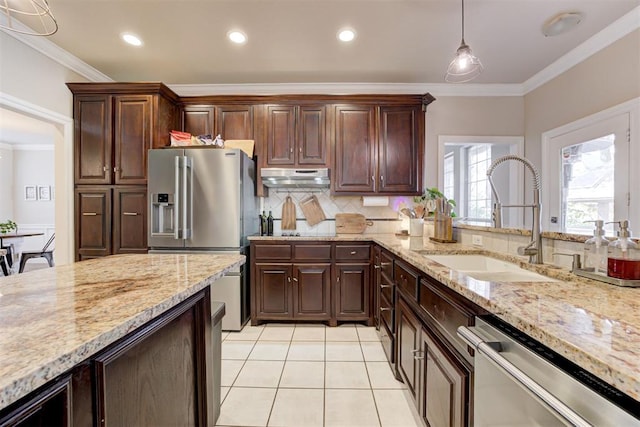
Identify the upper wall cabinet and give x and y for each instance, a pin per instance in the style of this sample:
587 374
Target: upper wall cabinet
115 125
378 149
296 135
228 121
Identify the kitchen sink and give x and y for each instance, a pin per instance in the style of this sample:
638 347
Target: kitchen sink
482 267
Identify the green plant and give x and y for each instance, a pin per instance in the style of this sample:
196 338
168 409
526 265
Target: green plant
432 194
5 227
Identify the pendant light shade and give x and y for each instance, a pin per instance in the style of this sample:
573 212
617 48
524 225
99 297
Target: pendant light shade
32 17
465 66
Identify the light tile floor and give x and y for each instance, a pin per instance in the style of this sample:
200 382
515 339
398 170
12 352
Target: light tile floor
310 375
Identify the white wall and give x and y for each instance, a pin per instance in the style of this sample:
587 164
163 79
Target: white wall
34 79
33 167
6 182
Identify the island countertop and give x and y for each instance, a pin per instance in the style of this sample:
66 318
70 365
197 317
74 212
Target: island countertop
593 324
53 319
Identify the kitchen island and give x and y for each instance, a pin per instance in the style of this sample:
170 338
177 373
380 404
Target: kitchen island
55 320
593 324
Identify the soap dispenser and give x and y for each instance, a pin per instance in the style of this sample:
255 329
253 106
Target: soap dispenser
595 250
623 257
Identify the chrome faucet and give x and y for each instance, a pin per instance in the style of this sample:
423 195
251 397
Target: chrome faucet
534 248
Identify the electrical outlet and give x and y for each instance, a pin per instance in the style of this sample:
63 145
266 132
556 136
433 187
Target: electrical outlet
476 240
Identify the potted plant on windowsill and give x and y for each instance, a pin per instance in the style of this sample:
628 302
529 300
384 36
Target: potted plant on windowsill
426 203
7 226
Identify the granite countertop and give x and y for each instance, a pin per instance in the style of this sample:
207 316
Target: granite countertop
593 324
53 319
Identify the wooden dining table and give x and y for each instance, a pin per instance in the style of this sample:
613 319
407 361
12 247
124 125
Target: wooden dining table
14 245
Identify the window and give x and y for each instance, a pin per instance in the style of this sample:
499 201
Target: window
587 163
464 161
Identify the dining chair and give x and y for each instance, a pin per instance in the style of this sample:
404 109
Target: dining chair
4 262
44 253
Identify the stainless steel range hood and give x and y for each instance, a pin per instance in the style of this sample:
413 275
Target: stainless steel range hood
295 178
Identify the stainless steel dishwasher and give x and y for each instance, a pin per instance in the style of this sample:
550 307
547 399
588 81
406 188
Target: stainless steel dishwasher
520 382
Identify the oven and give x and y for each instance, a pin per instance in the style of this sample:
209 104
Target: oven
520 382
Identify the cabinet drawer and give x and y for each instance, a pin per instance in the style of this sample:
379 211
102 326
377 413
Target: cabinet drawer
448 314
388 342
407 279
387 313
353 252
272 252
303 252
386 265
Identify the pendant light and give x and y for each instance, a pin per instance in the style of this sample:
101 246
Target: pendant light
32 17
465 66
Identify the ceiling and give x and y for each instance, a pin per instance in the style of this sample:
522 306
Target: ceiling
294 41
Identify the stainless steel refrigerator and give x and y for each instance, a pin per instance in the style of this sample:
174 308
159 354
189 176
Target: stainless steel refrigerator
203 200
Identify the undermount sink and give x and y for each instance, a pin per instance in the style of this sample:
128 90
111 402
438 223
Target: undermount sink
482 267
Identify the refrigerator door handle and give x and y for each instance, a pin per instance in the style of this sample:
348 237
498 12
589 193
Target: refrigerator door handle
176 218
188 197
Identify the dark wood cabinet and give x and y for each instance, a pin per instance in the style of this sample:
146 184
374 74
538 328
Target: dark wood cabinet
311 291
49 407
272 291
355 149
296 135
400 149
306 281
444 385
93 139
110 220
132 138
93 222
234 121
351 292
378 149
409 355
197 119
129 220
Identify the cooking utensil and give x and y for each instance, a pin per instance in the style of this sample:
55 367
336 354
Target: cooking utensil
408 212
351 223
288 214
312 210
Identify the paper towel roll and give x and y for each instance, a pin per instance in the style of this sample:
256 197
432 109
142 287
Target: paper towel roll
375 201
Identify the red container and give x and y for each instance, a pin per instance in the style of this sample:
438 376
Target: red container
628 269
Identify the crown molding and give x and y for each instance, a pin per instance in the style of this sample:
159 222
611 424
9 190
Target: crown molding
55 52
610 34
347 89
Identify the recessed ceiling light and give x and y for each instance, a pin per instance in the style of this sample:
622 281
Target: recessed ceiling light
133 40
237 37
561 23
346 35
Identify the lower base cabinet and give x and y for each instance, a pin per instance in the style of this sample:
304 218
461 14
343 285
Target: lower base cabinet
159 375
351 291
438 381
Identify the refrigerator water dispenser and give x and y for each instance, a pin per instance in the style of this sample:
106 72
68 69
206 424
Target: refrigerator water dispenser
163 218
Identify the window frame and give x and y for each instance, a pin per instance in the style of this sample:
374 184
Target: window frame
550 183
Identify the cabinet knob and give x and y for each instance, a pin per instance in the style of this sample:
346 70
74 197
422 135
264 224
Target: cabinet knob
292 149
300 150
130 213
289 279
295 280
89 214
386 286
385 264
385 309
381 178
115 169
104 168
377 267
353 252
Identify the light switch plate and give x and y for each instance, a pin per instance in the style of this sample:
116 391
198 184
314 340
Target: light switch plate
476 240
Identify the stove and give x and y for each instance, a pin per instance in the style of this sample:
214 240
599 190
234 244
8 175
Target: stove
303 235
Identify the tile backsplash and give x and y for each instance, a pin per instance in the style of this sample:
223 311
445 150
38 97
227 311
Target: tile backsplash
384 218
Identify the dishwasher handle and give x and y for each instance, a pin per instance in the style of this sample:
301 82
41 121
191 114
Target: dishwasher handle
487 349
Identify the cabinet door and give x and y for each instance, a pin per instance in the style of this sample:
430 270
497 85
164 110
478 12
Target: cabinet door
377 280
92 139
49 407
409 359
311 291
93 222
399 150
355 156
273 297
130 220
311 135
132 139
444 388
234 121
280 135
198 120
352 291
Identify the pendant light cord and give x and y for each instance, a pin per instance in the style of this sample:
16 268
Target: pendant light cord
463 21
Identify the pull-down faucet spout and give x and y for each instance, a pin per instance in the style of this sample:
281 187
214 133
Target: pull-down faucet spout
534 248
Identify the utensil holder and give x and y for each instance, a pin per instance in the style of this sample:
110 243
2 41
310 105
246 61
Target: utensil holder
443 228
416 227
